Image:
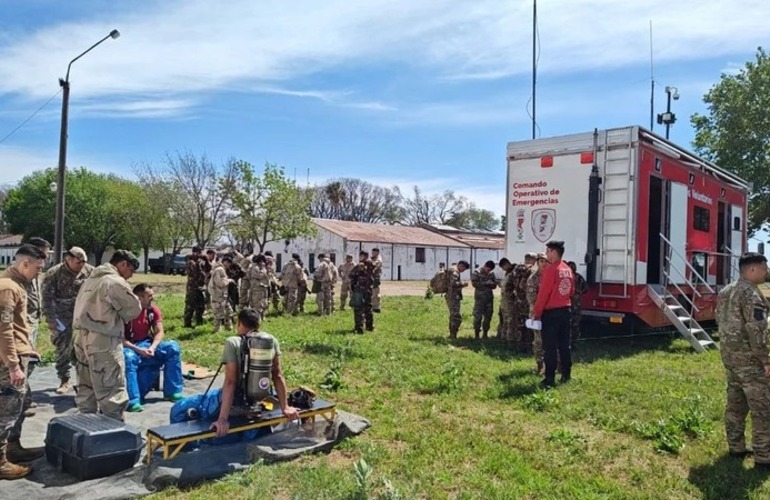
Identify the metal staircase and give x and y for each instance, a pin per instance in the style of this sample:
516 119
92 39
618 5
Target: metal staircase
617 189
673 308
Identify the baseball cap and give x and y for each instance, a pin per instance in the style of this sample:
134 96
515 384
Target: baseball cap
77 253
121 255
541 255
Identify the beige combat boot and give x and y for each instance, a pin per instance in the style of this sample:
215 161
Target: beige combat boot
10 470
63 388
17 454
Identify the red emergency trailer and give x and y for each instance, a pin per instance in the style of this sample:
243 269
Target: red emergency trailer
654 229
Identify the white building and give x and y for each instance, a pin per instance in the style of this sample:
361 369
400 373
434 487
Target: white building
408 253
9 244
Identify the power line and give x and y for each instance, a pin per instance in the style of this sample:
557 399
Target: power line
38 110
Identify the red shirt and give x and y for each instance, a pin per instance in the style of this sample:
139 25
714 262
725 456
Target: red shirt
556 288
139 328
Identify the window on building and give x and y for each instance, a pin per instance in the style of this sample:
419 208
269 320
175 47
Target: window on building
278 263
333 258
701 219
311 262
419 255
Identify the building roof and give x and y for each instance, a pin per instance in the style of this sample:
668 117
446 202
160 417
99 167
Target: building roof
10 240
382 233
493 240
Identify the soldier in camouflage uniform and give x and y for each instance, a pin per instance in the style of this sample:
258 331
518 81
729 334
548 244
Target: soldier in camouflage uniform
60 289
16 352
742 318
344 271
507 301
275 296
335 278
194 301
377 261
454 296
257 286
522 336
219 286
483 281
576 309
323 274
291 276
533 287
34 313
236 273
361 285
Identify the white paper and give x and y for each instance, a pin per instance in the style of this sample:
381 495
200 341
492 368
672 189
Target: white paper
534 324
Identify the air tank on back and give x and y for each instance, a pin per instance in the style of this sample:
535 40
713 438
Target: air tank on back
261 351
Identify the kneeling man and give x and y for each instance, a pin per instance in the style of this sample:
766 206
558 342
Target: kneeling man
145 353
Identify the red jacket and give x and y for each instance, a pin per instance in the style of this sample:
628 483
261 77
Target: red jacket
556 288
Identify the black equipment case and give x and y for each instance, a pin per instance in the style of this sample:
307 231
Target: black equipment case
91 445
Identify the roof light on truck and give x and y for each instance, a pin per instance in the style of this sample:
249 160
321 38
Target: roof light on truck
546 161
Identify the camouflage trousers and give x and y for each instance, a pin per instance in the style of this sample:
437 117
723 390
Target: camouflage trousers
523 336
455 318
258 300
323 299
362 316
223 313
483 308
301 297
376 298
62 341
507 319
101 371
748 391
11 404
537 345
276 298
31 367
290 300
574 325
344 292
194 305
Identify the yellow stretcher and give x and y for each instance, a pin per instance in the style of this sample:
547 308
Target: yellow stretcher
173 437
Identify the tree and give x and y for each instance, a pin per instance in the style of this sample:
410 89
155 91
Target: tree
3 196
270 207
736 132
98 209
200 193
356 200
436 209
476 219
503 220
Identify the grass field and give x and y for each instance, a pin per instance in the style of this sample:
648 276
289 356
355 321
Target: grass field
641 419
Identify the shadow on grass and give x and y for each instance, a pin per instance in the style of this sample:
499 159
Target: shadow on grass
490 346
194 333
322 349
607 349
517 384
726 478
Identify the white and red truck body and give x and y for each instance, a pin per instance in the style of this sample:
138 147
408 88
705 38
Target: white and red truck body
634 211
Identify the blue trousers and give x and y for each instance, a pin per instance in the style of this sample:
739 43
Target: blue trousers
141 373
206 408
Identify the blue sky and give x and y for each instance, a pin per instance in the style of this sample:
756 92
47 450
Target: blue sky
393 91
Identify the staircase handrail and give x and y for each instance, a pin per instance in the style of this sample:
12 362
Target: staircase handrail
689 266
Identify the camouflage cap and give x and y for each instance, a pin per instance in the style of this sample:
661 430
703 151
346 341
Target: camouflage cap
125 255
541 255
78 253
530 255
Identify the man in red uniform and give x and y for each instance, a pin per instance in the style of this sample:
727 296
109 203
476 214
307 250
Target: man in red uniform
553 308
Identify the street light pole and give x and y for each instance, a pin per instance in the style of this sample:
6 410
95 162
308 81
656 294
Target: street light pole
61 174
